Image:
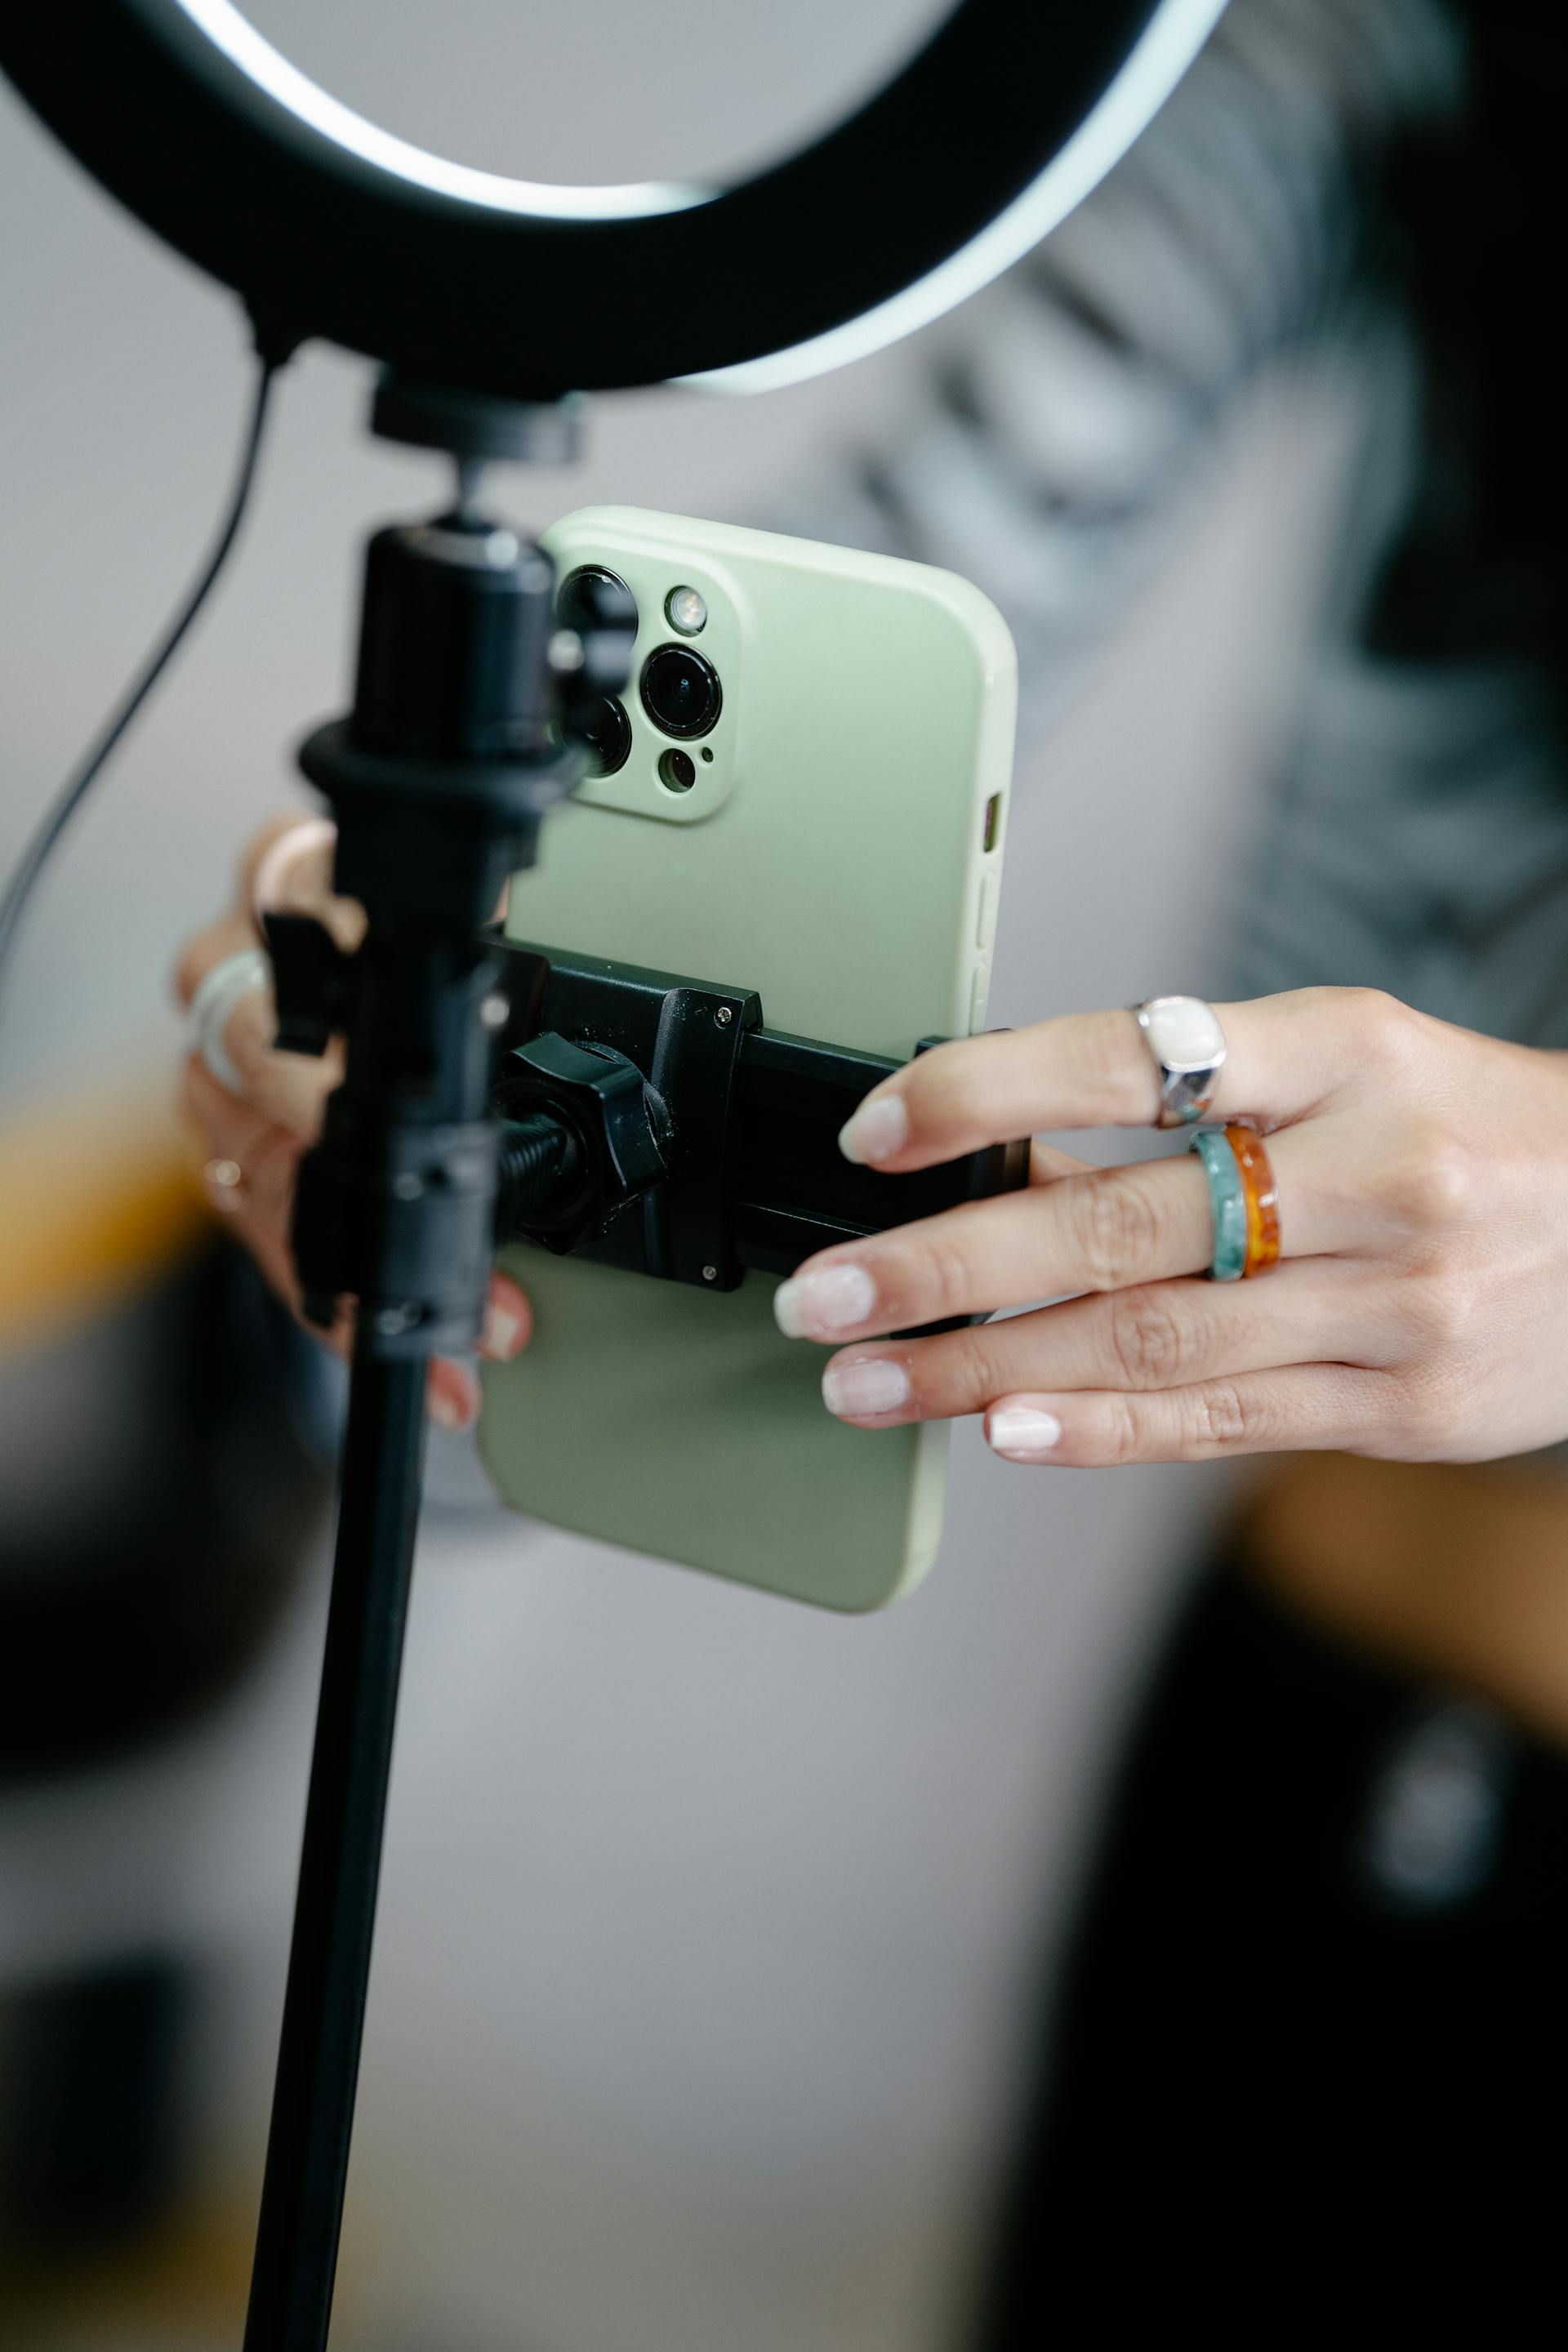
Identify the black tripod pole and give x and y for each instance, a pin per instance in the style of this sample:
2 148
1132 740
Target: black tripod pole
329 1966
466 685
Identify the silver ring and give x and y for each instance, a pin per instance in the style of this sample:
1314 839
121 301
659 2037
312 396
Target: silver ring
221 989
1187 1043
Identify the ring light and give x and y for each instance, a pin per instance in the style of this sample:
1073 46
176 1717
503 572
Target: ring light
329 227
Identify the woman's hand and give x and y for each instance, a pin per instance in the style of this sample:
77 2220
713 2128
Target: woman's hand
1419 1311
255 1136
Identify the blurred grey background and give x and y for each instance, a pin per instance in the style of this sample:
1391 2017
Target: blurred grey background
707 1922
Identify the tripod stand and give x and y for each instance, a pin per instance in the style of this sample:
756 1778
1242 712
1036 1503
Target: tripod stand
438 779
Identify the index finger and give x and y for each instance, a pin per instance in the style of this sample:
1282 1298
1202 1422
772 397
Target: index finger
289 869
1285 1054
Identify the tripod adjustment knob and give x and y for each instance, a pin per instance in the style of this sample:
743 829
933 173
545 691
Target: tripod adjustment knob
618 1134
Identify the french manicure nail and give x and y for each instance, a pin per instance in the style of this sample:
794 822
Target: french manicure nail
503 1331
854 1391
819 1306
449 1401
876 1130
1023 1432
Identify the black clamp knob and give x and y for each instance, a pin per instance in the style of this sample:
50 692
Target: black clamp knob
619 1140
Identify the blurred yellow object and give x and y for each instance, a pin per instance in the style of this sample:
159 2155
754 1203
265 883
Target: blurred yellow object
99 1195
183 2288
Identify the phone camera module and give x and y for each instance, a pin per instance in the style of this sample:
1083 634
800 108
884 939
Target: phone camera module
680 691
607 733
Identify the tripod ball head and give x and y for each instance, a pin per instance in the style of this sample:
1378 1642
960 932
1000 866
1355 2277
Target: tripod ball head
454 644
469 702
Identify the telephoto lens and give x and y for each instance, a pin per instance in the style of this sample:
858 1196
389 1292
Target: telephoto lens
680 691
576 599
607 733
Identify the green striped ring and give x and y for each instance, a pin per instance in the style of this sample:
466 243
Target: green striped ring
1228 1198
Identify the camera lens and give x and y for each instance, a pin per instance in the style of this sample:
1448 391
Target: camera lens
581 600
607 733
680 691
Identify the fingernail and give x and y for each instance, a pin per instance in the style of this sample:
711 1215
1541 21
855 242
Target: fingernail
876 1384
502 1334
817 1306
1022 1433
447 1409
268 890
876 1130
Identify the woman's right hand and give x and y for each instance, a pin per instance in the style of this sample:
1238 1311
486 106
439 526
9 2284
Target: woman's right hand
256 1137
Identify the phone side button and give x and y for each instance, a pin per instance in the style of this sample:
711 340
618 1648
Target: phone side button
985 920
980 989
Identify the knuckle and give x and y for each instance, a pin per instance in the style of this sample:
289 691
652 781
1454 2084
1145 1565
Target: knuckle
1388 1039
1119 1232
1381 1023
1121 1436
1431 1184
1220 1419
945 1282
1149 1343
972 1368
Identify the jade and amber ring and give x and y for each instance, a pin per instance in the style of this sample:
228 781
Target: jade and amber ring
1245 1200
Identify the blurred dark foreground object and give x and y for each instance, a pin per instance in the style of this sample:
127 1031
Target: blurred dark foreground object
157 1505
1308 2070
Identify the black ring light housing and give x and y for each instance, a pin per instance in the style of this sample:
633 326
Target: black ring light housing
328 227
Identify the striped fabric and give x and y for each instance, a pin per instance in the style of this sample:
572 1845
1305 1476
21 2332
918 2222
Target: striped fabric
1287 201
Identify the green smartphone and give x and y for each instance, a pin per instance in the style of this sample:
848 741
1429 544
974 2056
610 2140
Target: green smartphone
802 793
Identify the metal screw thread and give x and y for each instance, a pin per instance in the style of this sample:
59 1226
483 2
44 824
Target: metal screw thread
539 1165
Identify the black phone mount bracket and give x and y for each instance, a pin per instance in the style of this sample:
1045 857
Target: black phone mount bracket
643 1119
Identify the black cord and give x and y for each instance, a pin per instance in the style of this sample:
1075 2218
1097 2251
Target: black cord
19 889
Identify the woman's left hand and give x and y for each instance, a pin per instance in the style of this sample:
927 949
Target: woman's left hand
258 1127
1419 1309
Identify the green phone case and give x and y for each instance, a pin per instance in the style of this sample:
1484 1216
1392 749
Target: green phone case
840 854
